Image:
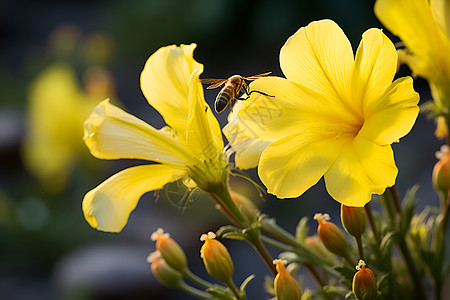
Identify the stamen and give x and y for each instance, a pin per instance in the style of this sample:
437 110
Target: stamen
159 233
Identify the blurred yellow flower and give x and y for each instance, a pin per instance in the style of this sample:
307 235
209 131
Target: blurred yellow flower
57 108
191 148
335 115
424 27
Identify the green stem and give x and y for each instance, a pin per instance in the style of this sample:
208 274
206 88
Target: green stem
271 228
360 247
255 239
194 278
373 225
319 280
221 195
235 290
445 212
395 199
388 209
286 247
412 269
194 292
392 200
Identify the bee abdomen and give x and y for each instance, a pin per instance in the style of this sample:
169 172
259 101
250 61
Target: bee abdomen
223 98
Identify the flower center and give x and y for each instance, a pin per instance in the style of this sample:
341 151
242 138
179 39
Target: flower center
344 130
209 172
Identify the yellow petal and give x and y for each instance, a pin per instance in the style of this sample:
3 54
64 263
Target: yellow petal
203 131
441 12
374 68
393 116
248 150
413 22
320 57
108 206
165 83
292 165
362 169
111 133
292 109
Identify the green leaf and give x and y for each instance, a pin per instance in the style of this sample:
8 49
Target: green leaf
219 293
245 282
302 229
387 241
336 291
268 285
346 272
231 232
227 229
408 206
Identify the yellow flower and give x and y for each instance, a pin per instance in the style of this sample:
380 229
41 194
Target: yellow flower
424 27
335 115
56 111
191 148
248 150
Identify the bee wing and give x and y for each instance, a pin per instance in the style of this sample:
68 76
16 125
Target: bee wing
214 83
254 77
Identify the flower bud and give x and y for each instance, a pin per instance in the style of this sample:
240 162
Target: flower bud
315 243
216 258
285 286
165 274
441 172
246 206
441 131
170 250
364 284
354 220
332 237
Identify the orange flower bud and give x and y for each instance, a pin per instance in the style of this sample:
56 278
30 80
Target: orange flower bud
441 172
165 274
332 237
315 243
354 220
246 206
170 250
216 258
364 284
286 288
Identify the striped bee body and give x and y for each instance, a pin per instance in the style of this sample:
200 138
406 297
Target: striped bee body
230 93
232 87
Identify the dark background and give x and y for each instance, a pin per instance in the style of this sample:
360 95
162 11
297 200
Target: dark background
47 250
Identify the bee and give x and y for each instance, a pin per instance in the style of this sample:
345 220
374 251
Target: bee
231 89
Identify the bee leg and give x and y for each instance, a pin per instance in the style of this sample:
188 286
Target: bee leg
233 102
259 92
239 98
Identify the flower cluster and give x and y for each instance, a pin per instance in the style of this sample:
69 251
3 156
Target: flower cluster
336 116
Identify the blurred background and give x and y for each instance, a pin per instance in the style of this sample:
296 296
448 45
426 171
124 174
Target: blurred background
58 59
